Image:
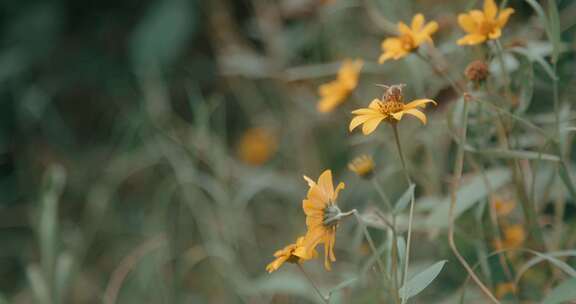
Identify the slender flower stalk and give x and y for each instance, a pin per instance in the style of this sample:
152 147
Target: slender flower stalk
458 168
325 299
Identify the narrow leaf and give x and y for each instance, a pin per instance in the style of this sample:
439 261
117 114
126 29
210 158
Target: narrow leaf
420 281
564 292
404 200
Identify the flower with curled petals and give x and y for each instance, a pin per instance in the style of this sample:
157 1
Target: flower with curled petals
322 217
390 109
409 38
481 26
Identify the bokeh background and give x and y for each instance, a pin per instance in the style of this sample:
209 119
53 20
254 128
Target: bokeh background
153 151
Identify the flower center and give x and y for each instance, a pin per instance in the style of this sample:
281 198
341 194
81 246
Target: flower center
331 215
486 27
390 106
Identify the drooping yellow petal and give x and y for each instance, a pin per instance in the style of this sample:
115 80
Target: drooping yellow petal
371 125
358 120
503 16
419 103
490 9
417 114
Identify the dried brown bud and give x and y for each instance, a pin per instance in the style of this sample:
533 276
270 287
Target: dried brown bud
477 71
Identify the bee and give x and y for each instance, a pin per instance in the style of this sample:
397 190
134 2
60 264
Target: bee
392 92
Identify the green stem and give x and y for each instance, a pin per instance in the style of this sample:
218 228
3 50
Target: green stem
458 168
411 212
325 299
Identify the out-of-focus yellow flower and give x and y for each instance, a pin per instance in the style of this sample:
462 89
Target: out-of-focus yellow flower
408 39
503 289
256 146
391 109
513 237
286 254
503 207
363 166
334 93
322 217
483 25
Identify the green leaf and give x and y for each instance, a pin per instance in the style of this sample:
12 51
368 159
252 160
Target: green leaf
420 281
562 293
163 32
514 154
525 82
468 195
404 200
532 56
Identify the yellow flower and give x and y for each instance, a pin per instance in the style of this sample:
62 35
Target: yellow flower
334 93
513 237
256 146
503 289
503 207
321 217
483 25
391 109
363 166
409 38
286 254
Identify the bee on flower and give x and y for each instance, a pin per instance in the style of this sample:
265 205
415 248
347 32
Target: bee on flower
390 108
409 38
481 26
286 254
336 92
322 217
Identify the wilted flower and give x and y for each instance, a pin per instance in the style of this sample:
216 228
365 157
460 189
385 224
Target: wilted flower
363 166
256 146
286 254
391 108
335 92
409 38
483 25
477 71
322 217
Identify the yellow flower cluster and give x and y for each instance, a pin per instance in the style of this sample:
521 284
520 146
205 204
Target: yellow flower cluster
322 212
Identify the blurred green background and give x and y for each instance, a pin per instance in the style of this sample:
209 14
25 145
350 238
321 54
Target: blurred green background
121 174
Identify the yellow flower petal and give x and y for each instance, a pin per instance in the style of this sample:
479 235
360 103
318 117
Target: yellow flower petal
490 9
467 23
371 125
503 16
419 103
358 120
471 39
417 22
417 114
404 29
325 183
